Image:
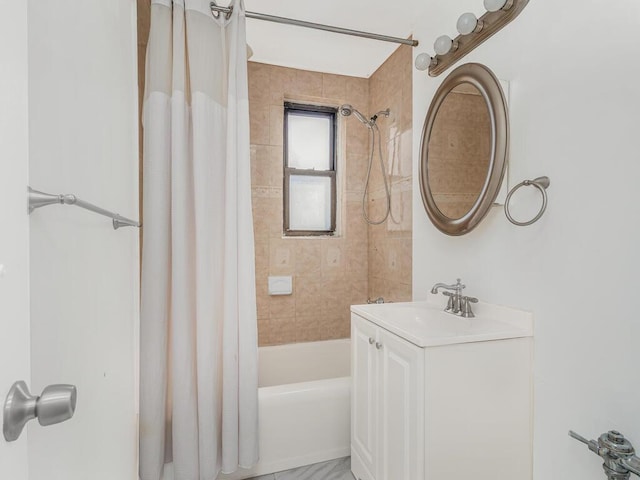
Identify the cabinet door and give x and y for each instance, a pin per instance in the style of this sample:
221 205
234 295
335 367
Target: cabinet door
400 408
363 397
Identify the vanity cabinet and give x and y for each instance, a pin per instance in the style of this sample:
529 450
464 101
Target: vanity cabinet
387 376
442 397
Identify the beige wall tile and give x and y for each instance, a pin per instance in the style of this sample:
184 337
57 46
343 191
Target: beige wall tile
355 170
281 306
280 81
259 124
282 330
276 122
264 332
309 296
266 166
309 328
305 83
282 257
262 297
308 256
334 87
357 93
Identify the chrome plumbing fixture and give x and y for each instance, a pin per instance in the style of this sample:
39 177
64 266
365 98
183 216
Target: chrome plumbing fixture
619 456
347 110
458 304
378 301
56 404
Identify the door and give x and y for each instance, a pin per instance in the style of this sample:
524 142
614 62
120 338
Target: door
14 226
400 407
83 273
363 397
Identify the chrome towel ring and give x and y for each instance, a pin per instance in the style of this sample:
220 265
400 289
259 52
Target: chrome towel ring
541 183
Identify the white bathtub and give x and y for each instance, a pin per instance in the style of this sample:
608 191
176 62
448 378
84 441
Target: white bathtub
304 405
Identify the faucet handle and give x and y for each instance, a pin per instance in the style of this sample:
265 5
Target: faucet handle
450 303
465 310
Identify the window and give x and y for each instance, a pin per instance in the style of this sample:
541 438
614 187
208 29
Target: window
309 170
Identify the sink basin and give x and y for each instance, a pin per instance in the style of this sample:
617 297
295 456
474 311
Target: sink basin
425 324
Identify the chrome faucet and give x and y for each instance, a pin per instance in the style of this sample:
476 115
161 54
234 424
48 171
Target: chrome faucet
457 287
457 304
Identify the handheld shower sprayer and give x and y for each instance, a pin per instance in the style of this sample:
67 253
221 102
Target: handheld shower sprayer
346 110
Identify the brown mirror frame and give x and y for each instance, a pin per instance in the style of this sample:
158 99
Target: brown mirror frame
489 87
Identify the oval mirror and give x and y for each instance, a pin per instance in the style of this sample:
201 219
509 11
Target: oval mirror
464 149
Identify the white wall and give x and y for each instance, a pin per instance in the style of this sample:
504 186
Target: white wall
14 224
575 116
84 275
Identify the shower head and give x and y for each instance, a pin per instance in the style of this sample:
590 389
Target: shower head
346 110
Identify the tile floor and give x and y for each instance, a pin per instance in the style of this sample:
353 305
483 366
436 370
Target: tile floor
339 469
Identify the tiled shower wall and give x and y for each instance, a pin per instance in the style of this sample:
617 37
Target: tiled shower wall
362 261
390 243
329 273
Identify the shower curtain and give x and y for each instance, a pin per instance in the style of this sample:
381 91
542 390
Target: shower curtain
198 347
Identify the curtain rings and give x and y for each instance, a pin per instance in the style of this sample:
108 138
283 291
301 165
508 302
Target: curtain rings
216 10
541 183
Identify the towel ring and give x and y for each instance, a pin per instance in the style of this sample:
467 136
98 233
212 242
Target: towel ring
541 183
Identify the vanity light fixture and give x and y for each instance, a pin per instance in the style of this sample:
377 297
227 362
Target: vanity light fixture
468 23
473 31
495 5
444 44
423 61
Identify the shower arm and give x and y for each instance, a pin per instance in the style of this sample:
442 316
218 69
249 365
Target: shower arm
39 199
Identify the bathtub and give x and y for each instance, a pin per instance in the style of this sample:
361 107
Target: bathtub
304 406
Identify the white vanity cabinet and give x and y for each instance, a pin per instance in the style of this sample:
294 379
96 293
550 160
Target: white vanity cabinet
387 395
437 396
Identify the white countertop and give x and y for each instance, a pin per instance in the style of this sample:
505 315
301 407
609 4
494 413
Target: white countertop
425 324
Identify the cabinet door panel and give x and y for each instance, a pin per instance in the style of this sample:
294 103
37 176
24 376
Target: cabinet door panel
401 400
363 392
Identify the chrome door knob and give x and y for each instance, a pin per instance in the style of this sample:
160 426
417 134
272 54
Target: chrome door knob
56 404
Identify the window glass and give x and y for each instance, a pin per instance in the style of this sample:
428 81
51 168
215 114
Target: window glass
309 142
309 203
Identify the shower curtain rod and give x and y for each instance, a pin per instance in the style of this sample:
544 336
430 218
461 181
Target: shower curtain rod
215 9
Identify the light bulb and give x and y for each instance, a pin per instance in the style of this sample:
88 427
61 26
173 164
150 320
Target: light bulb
495 5
423 61
443 45
467 23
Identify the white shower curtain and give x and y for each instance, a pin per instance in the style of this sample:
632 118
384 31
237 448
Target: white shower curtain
198 365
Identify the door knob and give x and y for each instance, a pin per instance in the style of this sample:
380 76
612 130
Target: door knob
56 404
